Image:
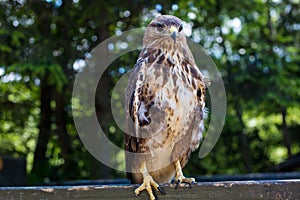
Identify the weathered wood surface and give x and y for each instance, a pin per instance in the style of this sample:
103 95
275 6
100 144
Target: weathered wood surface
246 190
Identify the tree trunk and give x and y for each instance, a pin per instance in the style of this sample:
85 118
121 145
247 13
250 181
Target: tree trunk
40 161
64 139
102 100
244 144
286 135
103 112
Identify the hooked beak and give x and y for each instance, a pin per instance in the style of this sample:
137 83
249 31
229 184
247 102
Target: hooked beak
173 31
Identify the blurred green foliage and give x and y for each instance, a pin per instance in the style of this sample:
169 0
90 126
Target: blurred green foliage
255 44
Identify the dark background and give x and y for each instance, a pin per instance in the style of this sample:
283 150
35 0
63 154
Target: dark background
255 44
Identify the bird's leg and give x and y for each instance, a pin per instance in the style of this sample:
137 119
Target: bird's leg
147 183
179 178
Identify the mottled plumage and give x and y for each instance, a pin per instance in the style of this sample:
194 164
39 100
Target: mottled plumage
165 104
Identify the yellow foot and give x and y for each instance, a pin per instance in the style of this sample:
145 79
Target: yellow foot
146 185
181 179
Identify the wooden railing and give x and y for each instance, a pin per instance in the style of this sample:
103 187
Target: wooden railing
245 190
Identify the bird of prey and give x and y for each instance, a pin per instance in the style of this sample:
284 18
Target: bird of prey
165 108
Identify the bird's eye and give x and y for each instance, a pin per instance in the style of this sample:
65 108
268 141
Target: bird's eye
180 28
159 27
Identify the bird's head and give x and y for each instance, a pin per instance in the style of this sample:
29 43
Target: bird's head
165 31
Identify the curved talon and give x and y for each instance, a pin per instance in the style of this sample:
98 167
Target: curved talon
161 190
177 183
135 193
154 194
191 184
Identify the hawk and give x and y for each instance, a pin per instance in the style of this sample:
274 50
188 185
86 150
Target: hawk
165 108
